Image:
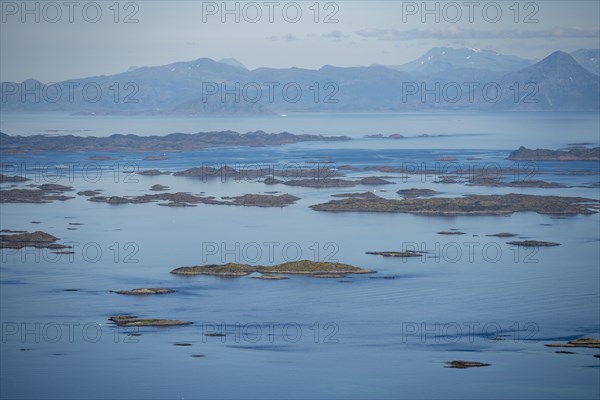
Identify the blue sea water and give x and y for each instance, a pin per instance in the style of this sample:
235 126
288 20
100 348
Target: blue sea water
470 297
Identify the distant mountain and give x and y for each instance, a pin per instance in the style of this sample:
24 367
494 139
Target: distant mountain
444 59
233 62
208 87
589 59
560 83
146 89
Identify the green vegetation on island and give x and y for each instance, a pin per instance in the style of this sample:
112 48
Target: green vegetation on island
302 267
467 205
182 199
574 154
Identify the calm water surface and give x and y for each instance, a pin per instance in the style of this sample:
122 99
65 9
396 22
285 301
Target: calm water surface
470 296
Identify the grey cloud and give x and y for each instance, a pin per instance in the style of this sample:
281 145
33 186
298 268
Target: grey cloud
454 32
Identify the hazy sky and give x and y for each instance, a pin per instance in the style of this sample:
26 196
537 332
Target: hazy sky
73 39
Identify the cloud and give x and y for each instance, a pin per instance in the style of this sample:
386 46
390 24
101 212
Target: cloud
337 35
454 32
288 38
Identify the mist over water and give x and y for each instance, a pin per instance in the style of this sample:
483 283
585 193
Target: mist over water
464 130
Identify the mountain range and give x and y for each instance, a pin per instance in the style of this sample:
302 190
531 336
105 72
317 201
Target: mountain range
443 78
444 59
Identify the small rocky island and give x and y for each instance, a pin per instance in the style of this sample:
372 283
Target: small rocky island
144 291
408 253
302 267
578 153
153 172
89 193
38 239
133 320
414 192
159 188
461 364
382 136
183 199
45 193
467 205
533 243
12 178
582 342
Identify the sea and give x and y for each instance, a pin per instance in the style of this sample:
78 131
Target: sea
383 335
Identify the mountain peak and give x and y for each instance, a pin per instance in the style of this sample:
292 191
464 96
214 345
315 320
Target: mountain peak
558 58
560 83
444 59
559 55
233 63
204 60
